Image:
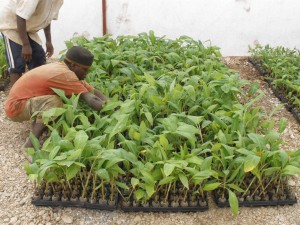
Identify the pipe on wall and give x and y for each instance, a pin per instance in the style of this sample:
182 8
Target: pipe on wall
104 17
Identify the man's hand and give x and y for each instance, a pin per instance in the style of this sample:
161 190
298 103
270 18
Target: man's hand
49 49
27 53
92 100
26 48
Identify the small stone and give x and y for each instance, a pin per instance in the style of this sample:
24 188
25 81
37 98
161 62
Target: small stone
292 183
13 220
137 219
67 219
42 212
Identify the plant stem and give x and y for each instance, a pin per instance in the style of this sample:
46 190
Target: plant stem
249 186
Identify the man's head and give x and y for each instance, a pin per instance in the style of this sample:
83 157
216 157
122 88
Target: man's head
79 60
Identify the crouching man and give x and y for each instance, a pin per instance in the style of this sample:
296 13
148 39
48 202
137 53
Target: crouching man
33 91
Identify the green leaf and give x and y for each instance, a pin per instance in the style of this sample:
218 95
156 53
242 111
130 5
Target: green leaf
150 79
139 194
235 187
149 118
134 182
52 114
245 151
184 180
60 157
168 169
291 170
35 142
30 151
33 177
166 180
147 177
72 171
195 160
110 105
119 126
251 162
81 139
218 121
225 88
84 120
126 71
74 155
54 152
103 174
211 186
150 189
61 94
114 62
122 185
282 125
152 37
222 137
143 130
164 142
258 139
233 202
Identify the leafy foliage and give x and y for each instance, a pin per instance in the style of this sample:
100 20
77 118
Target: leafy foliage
3 62
177 117
282 69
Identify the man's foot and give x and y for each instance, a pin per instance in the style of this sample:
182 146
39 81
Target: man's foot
23 148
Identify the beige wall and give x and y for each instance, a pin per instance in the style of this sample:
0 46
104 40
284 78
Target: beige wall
230 24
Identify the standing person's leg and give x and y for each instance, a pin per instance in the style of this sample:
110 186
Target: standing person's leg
38 55
16 63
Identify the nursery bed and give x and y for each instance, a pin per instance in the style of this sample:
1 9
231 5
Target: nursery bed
16 190
276 92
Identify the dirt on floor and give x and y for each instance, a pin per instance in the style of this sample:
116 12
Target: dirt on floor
16 190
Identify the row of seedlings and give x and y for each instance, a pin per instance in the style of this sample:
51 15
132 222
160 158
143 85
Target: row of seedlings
280 68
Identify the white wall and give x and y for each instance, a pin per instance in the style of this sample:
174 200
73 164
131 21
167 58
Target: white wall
76 17
230 24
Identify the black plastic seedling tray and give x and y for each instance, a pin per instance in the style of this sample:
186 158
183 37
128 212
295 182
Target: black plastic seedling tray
259 203
255 203
50 203
169 208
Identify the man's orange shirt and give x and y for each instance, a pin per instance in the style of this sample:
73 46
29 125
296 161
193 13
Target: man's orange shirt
39 81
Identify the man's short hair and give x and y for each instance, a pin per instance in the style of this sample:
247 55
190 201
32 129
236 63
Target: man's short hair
80 56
